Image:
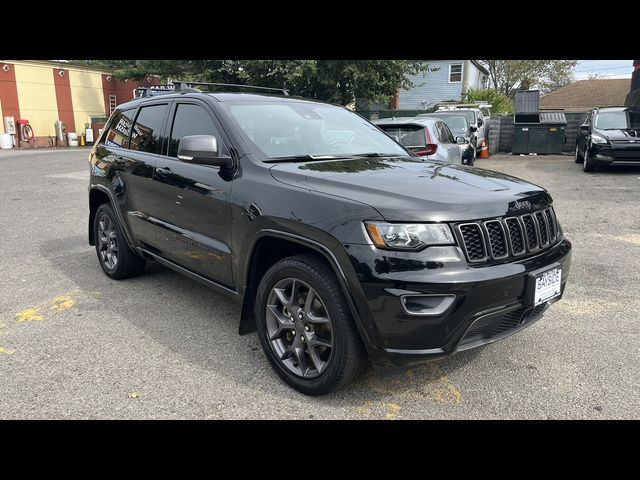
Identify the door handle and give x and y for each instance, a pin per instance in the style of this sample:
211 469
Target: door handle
163 171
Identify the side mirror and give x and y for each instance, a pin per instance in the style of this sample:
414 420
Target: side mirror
584 127
480 122
202 150
461 140
473 128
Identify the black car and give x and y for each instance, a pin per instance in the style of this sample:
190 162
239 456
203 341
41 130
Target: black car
342 246
609 136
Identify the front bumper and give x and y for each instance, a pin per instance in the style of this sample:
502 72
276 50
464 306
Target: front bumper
616 153
490 301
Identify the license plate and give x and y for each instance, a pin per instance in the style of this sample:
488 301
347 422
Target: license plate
547 285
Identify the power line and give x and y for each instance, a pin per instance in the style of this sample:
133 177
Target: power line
630 67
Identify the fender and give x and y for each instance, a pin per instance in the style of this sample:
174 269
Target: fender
247 317
114 203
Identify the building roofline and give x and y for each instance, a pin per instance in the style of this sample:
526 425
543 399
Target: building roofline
480 66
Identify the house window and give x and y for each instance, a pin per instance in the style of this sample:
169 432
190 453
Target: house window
455 72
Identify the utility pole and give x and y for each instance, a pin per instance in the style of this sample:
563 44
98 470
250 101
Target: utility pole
633 98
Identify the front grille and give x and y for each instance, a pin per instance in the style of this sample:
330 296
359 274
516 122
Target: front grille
502 238
473 241
530 229
542 228
492 326
551 224
515 235
497 242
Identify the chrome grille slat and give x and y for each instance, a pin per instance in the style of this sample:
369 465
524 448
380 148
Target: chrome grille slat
509 237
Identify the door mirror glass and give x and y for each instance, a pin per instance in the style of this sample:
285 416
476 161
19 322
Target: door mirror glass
473 128
480 122
584 126
201 149
461 140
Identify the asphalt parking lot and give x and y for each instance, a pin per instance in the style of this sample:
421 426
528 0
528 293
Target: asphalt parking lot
74 344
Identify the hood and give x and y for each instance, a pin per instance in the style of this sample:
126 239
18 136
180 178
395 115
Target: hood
406 189
625 135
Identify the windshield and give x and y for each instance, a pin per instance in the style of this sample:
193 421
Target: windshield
281 130
617 120
456 123
471 116
411 136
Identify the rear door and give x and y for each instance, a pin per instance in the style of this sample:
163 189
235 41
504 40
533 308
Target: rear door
129 169
146 142
193 213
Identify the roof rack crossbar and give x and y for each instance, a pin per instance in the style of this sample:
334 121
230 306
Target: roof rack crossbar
181 86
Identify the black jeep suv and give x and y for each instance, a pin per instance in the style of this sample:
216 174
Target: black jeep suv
609 136
341 245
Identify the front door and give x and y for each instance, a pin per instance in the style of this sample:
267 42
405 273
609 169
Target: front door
193 213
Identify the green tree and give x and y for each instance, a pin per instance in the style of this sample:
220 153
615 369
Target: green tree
506 76
500 103
336 81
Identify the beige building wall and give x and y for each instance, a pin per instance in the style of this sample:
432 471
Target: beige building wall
37 97
86 95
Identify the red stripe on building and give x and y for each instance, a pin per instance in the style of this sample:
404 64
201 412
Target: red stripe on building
9 91
63 99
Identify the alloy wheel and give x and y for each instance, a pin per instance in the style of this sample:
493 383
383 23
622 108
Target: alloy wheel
299 328
107 242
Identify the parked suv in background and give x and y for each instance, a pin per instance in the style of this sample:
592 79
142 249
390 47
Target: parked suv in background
609 136
429 138
459 125
476 119
342 247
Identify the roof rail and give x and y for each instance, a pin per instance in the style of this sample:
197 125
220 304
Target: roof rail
182 86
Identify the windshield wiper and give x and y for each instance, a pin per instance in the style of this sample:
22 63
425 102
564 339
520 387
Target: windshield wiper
303 158
374 155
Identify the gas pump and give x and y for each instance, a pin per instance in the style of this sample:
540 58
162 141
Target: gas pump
25 132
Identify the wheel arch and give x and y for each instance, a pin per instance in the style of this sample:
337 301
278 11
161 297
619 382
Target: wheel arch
99 195
278 245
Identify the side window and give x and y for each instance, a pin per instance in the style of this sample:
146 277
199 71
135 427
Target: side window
147 131
192 120
119 130
443 133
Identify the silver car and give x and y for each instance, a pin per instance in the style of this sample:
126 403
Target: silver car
424 136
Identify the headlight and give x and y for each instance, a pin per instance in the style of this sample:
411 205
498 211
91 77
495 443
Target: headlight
409 236
598 139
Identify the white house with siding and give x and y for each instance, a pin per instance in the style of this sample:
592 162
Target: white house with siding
445 80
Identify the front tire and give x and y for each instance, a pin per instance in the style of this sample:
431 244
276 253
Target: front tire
579 158
117 260
587 166
305 326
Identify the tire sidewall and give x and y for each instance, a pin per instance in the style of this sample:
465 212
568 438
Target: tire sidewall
338 313
106 209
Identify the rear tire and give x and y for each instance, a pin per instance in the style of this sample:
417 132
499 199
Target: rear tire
117 260
305 327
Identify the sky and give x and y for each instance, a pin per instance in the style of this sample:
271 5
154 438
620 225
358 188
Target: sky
603 68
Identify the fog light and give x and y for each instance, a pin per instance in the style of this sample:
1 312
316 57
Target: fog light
426 304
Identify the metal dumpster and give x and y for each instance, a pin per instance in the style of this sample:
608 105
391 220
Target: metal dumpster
542 133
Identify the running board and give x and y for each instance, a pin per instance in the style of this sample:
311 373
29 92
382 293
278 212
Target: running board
194 276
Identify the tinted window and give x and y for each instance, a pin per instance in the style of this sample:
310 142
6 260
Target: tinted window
119 130
617 120
147 131
409 135
192 120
